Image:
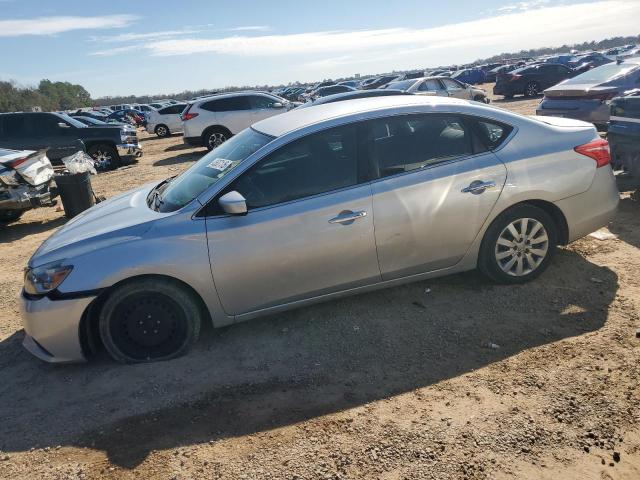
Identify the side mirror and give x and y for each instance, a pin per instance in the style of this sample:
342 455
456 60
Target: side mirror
277 105
233 203
63 125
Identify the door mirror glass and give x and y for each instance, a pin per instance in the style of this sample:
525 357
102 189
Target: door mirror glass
233 203
277 105
63 125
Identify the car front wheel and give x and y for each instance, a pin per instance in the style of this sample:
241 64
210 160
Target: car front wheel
105 157
149 320
518 245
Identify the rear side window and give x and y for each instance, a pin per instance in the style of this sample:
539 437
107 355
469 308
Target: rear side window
15 126
492 134
173 109
230 104
314 164
411 142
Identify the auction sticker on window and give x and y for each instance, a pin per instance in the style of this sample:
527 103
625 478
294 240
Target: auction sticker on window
220 164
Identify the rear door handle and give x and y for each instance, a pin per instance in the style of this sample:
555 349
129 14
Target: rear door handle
478 186
347 217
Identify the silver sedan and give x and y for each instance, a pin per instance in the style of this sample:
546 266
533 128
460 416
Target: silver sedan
311 205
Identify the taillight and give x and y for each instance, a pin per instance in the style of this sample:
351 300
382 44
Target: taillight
598 150
17 161
514 76
186 115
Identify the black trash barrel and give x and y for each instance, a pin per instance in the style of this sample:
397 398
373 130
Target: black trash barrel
75 192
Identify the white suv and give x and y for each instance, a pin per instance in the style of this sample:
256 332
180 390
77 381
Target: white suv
213 120
165 120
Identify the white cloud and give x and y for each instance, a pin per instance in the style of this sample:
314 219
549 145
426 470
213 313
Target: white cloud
522 6
55 25
134 37
545 26
251 28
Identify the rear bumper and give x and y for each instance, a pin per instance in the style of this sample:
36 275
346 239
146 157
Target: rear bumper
593 209
193 141
26 197
52 328
129 150
593 112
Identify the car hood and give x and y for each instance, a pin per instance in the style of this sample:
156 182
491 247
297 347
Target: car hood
120 219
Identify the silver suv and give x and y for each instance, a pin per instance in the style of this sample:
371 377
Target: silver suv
211 121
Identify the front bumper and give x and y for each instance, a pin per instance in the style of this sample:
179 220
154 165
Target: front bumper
129 150
52 328
26 197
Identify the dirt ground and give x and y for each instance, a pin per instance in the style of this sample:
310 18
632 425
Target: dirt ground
447 379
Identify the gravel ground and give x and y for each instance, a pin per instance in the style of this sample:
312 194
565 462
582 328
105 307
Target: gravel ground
448 379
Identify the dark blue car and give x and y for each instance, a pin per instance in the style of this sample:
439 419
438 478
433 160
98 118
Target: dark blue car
472 76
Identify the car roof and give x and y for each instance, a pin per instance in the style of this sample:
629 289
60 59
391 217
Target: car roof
219 96
279 125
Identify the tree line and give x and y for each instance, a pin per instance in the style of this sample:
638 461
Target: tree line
48 96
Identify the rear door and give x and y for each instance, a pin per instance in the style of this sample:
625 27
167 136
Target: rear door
234 113
13 131
52 132
436 186
171 117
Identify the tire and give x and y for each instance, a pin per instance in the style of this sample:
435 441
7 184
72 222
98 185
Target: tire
105 157
162 131
532 89
478 98
149 320
500 258
215 137
8 216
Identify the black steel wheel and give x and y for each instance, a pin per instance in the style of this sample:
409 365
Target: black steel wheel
149 320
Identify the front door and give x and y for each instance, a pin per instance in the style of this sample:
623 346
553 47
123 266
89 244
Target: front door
308 230
434 193
262 107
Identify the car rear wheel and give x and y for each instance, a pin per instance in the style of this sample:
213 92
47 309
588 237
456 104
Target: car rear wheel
104 156
215 137
162 131
7 216
149 320
532 89
518 245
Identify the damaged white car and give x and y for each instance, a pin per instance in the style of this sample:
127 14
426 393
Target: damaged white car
26 178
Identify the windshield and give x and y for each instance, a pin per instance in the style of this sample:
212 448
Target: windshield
207 171
602 74
71 121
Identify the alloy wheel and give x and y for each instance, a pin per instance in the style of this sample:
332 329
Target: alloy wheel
102 159
216 139
521 247
532 90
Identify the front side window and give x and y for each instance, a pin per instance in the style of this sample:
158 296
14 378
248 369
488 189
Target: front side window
318 163
450 84
210 169
410 142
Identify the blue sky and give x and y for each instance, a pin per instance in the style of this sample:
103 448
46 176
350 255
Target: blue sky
140 46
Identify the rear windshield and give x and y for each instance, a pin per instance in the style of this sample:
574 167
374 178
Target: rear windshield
602 74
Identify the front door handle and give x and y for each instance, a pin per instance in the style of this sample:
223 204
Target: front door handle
478 186
347 217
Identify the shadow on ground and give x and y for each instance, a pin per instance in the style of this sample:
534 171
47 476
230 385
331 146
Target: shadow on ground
628 211
15 231
296 366
177 159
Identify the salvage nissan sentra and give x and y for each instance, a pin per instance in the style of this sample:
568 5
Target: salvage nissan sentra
310 205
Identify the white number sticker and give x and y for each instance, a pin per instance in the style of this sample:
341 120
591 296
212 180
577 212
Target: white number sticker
220 164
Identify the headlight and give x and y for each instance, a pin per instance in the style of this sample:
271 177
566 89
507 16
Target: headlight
43 279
